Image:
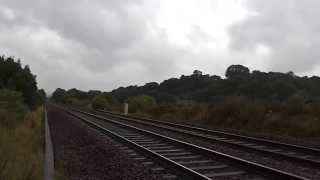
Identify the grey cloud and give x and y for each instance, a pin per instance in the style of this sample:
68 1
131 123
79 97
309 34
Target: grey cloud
198 36
106 26
87 44
93 44
290 29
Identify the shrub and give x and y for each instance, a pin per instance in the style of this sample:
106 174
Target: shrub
12 108
100 102
140 103
293 118
77 102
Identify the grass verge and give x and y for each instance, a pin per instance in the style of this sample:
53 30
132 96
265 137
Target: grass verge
21 149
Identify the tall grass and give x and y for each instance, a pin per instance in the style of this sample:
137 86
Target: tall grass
21 153
293 118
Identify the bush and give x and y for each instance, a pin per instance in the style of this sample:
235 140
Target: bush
140 103
294 105
293 118
100 102
12 109
77 102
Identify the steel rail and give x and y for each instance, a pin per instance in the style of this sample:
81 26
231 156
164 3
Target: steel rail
205 132
188 173
315 150
244 164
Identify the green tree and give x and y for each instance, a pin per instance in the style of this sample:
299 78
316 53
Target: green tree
235 71
17 78
58 95
42 95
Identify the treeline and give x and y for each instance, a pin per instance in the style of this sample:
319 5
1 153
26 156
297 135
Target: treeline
82 98
257 85
15 77
239 81
273 102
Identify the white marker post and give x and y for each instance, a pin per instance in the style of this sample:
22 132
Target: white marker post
126 108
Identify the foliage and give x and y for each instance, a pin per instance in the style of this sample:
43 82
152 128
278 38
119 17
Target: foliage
77 102
12 108
271 102
20 130
58 95
234 112
17 78
92 98
237 71
21 149
100 102
271 86
42 95
140 102
61 95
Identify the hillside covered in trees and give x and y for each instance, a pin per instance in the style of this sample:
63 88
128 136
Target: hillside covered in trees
264 102
239 81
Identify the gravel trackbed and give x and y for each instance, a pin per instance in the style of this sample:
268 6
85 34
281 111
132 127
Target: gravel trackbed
84 153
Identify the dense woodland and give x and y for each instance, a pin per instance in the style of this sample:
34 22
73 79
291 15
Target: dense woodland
273 102
239 81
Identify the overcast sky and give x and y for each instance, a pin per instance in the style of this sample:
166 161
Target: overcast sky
92 44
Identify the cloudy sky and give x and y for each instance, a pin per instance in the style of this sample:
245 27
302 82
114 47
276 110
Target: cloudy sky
104 44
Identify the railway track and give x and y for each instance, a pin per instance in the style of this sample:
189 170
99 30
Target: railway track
305 155
183 160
